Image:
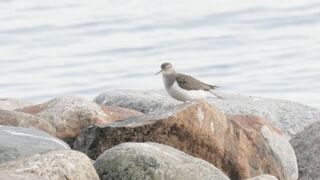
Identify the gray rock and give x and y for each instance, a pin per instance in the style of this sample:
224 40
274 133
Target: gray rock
54 165
148 102
306 145
11 104
263 177
153 161
16 142
289 116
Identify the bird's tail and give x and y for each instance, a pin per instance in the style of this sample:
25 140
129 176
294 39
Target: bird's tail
213 87
216 95
209 86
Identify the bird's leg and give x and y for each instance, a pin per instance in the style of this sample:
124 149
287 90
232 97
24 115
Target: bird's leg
216 95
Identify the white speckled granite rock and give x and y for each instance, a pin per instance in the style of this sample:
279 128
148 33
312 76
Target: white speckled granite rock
289 116
148 102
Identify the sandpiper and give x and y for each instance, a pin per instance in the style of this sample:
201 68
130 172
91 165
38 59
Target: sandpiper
183 87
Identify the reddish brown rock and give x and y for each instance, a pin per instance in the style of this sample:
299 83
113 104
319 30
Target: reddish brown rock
118 113
34 110
69 114
20 119
240 146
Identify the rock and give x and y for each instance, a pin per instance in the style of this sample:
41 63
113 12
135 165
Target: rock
20 119
54 165
283 151
241 146
289 116
68 115
153 161
306 144
148 102
20 176
118 113
12 104
16 142
263 177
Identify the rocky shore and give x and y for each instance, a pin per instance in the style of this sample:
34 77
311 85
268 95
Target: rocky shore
130 134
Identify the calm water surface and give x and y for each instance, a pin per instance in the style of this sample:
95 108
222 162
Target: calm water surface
52 48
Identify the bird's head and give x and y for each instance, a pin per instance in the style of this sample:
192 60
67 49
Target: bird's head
166 68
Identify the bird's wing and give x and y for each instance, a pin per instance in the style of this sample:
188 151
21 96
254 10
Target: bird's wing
190 83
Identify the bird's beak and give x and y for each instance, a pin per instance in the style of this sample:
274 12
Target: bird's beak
158 72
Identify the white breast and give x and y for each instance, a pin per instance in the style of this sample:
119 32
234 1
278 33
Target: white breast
180 94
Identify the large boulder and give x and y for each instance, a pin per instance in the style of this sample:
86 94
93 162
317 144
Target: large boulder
54 165
306 144
20 119
148 102
69 114
289 116
11 103
241 146
17 142
153 161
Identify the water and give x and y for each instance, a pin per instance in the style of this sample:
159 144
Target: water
53 48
